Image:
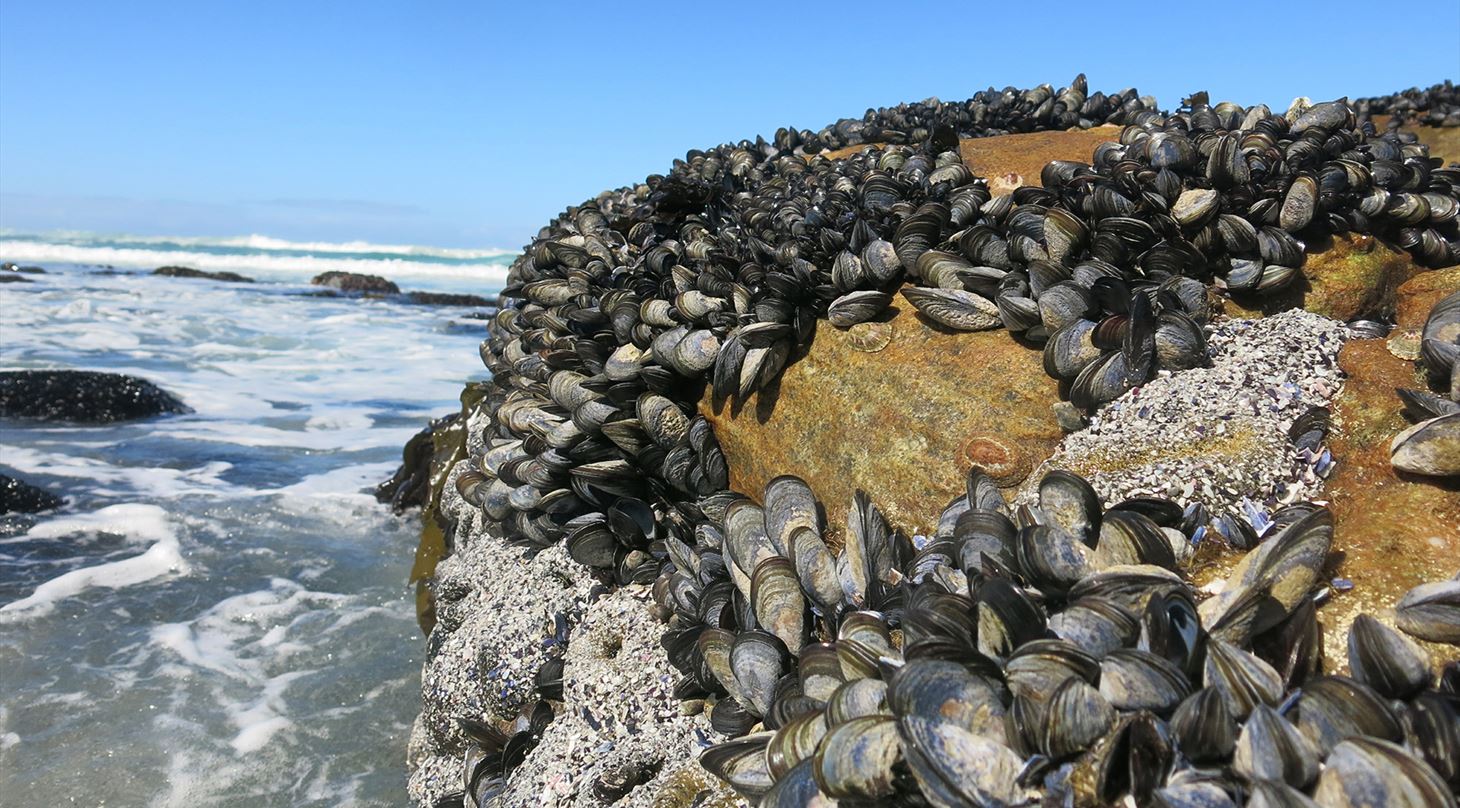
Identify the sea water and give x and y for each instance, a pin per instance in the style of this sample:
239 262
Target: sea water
219 614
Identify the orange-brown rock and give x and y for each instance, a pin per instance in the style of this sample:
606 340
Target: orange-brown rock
1392 531
1345 277
1420 294
902 422
1008 161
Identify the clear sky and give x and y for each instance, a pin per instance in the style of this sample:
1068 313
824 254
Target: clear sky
471 124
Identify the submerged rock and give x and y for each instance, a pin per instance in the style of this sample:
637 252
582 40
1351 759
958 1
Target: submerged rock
189 272
18 496
83 396
12 278
355 283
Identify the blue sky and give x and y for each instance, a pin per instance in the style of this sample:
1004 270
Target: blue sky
472 124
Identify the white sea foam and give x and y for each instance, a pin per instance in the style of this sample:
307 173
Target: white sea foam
256 242
138 523
275 265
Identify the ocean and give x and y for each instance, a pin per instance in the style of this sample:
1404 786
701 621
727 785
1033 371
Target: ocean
219 614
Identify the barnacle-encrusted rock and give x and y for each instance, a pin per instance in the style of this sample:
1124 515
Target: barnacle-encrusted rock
901 422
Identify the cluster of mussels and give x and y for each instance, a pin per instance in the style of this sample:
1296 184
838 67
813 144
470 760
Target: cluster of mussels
1432 445
1054 653
621 312
1438 105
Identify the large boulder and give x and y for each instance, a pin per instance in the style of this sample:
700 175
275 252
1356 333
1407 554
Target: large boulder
18 496
189 272
83 396
355 283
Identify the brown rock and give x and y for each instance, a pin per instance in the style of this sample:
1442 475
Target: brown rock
1345 277
902 422
1392 530
1010 161
1420 294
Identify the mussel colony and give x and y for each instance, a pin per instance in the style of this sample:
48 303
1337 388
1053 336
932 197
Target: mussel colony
1055 652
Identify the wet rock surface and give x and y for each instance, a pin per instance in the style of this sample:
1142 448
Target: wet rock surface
1392 530
189 272
83 396
19 496
355 283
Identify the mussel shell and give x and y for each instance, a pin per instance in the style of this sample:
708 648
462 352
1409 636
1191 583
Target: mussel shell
1332 708
741 763
1204 728
1431 612
1270 748
1368 771
855 760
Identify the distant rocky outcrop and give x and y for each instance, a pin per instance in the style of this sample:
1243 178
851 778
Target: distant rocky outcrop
444 299
10 267
18 496
7 277
355 283
189 272
83 396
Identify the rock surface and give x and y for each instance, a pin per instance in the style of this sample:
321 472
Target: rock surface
18 496
10 277
1347 277
83 396
1392 530
189 272
903 422
356 283
9 267
1420 294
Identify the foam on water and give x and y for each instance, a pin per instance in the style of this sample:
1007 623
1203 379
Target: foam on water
219 614
264 257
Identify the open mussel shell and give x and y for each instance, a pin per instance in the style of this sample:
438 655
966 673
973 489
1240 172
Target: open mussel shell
1368 771
1431 612
1134 758
1385 660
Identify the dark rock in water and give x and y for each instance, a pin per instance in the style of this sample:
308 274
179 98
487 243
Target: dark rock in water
18 496
9 267
9 278
83 396
356 283
443 299
189 272
410 486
